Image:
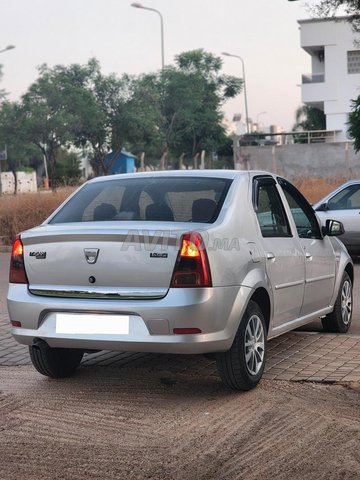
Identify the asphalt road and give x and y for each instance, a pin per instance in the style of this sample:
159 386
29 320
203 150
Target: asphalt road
314 327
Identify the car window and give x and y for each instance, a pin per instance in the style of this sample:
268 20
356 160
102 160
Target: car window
170 199
304 217
108 200
270 211
346 199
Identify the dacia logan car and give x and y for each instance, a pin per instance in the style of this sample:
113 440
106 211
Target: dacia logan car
193 262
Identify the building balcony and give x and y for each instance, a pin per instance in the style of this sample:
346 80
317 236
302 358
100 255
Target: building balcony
314 92
313 78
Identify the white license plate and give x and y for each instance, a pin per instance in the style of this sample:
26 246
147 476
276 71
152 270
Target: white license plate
92 324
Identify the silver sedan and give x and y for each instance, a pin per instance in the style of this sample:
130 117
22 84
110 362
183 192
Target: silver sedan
183 262
343 204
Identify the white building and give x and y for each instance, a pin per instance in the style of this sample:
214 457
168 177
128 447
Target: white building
335 70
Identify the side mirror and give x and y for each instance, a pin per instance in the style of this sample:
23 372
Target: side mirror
323 207
333 228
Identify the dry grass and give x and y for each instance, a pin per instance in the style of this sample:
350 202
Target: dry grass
316 188
20 212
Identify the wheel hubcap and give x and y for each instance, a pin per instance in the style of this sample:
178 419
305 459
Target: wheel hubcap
346 302
254 345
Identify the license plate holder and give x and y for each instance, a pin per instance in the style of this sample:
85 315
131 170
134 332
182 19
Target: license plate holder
92 324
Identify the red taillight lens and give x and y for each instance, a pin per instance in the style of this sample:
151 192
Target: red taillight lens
186 331
17 267
192 265
15 323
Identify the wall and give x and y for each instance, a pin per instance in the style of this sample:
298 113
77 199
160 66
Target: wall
26 182
325 160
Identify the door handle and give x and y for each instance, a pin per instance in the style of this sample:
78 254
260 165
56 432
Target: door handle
270 256
308 256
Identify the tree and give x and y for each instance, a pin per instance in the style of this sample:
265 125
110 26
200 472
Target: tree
67 168
331 8
192 94
140 121
13 136
354 123
2 91
108 113
49 116
309 118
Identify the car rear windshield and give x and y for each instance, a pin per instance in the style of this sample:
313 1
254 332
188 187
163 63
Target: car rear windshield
166 199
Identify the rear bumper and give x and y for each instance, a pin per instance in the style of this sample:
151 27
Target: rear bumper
215 311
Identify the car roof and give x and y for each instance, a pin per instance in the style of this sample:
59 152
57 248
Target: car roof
231 174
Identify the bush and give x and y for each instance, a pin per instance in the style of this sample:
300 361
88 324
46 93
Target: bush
20 212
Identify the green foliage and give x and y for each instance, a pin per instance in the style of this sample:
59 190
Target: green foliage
2 91
106 112
67 170
50 114
354 123
25 169
177 111
12 135
192 94
331 8
309 118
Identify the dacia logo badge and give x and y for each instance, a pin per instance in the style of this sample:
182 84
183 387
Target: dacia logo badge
91 255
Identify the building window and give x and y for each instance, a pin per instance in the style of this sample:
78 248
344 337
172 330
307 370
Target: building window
353 61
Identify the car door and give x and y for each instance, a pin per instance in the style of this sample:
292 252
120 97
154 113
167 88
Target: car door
320 262
284 258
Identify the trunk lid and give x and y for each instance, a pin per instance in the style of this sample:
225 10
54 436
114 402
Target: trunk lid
101 261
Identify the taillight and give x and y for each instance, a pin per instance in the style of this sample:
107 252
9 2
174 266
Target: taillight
17 267
192 265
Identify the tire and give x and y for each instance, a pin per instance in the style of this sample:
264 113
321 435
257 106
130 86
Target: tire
339 320
54 362
241 367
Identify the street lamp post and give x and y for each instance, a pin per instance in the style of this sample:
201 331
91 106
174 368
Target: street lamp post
9 47
139 5
257 117
245 96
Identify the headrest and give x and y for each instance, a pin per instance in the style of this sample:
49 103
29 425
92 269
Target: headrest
203 210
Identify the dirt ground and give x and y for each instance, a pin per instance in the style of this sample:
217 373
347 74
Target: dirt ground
108 423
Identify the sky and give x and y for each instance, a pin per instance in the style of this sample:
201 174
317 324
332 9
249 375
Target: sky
265 33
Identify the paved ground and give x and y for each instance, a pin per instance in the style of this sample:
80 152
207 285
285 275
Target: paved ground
297 356
164 417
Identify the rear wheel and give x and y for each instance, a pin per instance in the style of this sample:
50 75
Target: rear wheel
339 320
241 367
54 362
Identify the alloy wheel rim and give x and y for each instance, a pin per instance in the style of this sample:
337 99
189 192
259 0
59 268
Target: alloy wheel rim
254 345
346 302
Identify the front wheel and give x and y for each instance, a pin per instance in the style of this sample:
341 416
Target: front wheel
54 362
241 367
339 320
